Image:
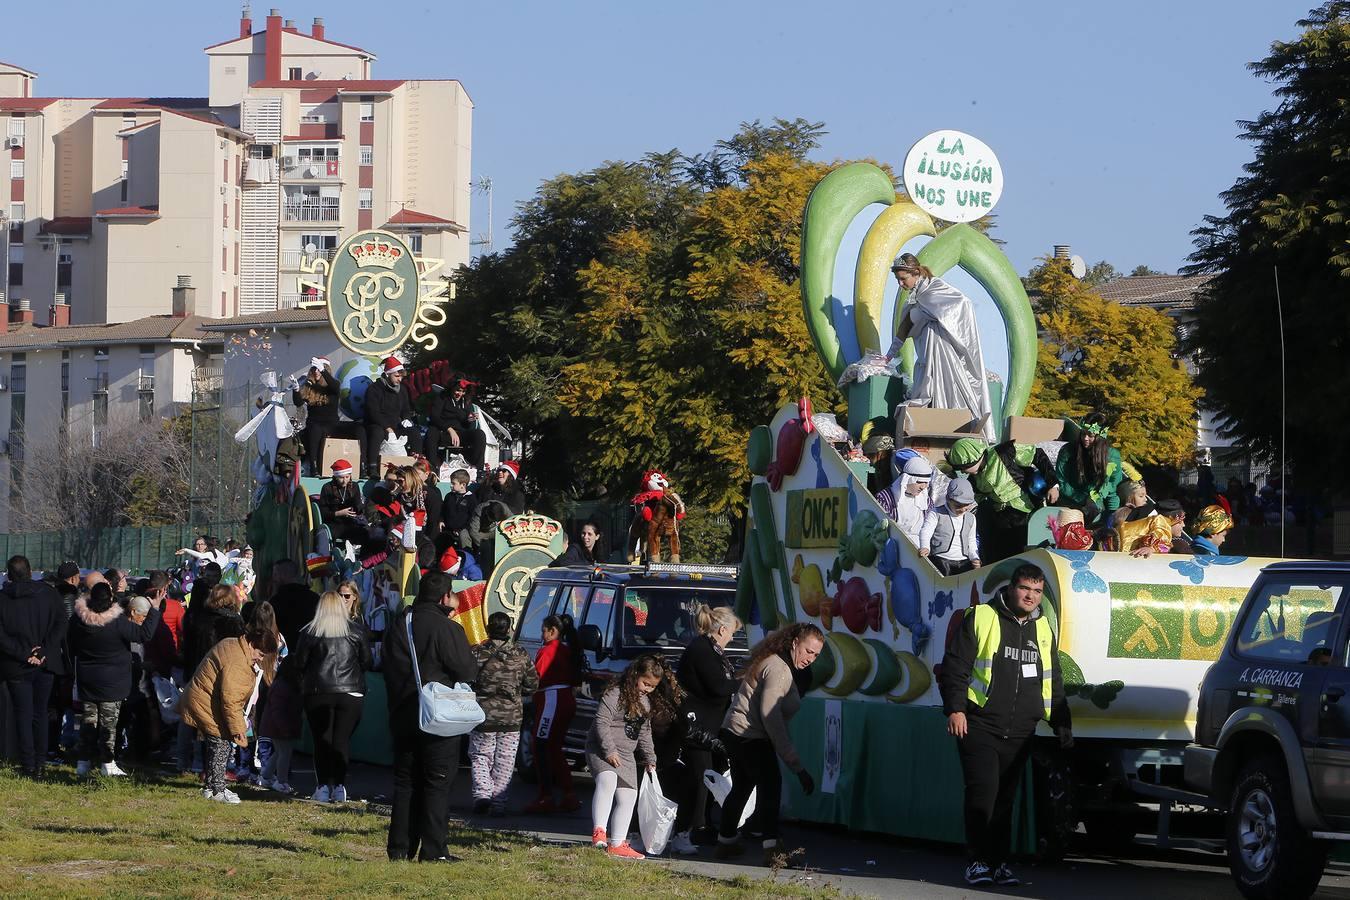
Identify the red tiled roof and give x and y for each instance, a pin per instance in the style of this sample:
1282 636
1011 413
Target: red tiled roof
150 328
299 33
72 225
130 212
172 103
26 103
374 86
1154 290
413 217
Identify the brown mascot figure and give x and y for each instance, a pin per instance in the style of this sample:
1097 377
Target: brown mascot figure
656 515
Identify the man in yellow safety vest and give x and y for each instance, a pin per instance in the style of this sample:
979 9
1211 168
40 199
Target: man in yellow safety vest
999 679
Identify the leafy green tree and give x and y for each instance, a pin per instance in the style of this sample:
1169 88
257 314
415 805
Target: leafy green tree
1286 214
648 316
1117 360
1099 273
1137 271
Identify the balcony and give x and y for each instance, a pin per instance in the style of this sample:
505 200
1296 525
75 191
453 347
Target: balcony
293 301
291 259
319 170
309 212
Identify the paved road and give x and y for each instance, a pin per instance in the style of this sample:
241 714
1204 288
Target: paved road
876 866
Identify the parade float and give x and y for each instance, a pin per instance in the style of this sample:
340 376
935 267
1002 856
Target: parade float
380 298
1136 635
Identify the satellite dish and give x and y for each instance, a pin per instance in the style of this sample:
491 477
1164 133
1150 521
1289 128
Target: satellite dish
1077 266
310 249
313 171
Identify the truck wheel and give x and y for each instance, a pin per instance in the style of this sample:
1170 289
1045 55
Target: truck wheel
1270 856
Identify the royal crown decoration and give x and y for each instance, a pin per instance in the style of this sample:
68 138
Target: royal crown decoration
529 529
374 253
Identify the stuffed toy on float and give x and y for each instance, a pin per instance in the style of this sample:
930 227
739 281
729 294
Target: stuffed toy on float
657 511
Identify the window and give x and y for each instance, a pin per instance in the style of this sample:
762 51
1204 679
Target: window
312 115
367 112
599 613
365 198
18 375
100 418
17 214
293 73
16 168
18 406
145 393
1291 622
15 265
128 122
125 186
537 608
414 239
16 125
663 616
367 155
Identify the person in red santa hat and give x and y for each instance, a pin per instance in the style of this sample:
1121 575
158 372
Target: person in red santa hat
501 498
341 505
460 564
318 394
389 414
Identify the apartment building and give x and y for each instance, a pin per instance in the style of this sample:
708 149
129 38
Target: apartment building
295 146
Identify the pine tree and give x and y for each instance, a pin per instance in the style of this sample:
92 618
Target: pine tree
1287 213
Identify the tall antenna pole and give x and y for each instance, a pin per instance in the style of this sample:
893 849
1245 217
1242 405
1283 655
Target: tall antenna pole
483 185
1284 486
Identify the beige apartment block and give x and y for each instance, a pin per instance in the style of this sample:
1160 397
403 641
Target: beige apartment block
296 145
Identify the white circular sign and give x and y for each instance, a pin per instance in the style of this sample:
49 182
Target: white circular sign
953 176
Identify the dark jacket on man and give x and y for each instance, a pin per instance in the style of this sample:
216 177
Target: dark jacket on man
387 406
332 665
443 655
101 643
203 628
445 412
1015 703
505 677
31 615
457 510
295 606
334 496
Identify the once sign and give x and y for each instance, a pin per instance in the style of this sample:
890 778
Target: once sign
817 517
953 176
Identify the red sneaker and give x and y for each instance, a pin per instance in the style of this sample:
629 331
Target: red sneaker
623 851
542 805
598 839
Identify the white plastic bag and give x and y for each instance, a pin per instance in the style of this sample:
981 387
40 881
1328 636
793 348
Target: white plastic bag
719 784
394 446
166 697
656 815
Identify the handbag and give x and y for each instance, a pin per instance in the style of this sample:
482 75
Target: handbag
442 710
166 698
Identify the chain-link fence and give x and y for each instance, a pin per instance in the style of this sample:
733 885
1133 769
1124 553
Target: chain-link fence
133 549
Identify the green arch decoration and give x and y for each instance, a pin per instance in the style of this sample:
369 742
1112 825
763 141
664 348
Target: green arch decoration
832 205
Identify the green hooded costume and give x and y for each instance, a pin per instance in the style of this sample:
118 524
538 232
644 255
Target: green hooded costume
1004 477
1074 489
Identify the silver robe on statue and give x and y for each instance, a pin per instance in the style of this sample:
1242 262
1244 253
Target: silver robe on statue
948 361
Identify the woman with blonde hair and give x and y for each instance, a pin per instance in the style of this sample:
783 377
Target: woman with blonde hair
350 592
332 654
708 679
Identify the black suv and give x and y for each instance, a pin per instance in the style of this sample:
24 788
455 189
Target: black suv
622 612
1272 735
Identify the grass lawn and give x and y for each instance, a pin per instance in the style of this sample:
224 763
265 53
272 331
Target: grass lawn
157 837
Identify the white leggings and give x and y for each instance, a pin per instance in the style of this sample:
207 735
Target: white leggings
608 795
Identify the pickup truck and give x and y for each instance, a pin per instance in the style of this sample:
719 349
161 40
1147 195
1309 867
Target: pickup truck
1272 737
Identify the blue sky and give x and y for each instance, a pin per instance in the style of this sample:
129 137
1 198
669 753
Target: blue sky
1114 122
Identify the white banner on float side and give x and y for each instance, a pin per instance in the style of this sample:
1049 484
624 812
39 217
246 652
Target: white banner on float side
834 745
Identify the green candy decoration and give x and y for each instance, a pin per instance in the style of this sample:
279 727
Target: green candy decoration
759 449
833 204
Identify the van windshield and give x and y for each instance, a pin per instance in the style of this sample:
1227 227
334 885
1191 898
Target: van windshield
663 616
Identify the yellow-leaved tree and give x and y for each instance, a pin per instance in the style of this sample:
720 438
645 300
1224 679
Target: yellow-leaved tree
1117 360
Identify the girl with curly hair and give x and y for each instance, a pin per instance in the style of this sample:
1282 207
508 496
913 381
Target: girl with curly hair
622 731
755 733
